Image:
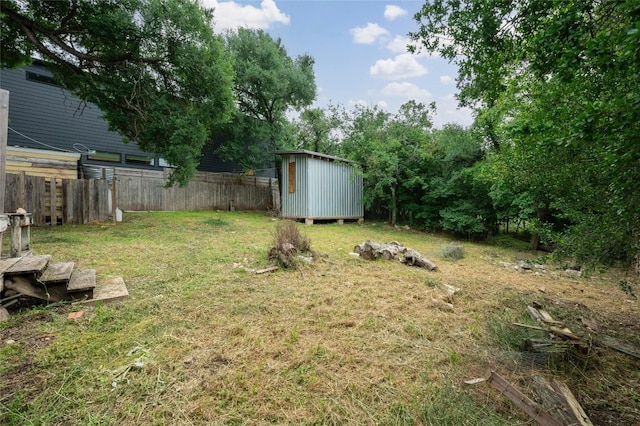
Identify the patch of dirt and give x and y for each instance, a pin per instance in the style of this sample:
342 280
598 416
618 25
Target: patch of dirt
20 375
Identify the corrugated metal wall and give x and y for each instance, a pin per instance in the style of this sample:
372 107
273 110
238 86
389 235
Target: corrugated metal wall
323 189
294 204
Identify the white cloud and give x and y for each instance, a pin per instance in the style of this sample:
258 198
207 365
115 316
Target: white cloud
360 102
392 12
368 34
399 44
230 15
446 80
402 66
405 90
383 105
448 111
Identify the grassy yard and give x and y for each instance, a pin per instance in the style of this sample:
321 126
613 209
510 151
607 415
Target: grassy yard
203 341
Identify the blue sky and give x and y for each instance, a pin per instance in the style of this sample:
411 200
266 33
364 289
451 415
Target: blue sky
359 47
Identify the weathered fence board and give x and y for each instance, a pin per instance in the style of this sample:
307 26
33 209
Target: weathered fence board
81 201
144 190
75 201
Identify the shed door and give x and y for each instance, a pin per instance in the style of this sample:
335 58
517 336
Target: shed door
292 178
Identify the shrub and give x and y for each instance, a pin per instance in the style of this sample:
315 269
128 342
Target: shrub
452 252
288 242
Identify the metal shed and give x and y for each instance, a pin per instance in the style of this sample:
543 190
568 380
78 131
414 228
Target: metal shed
320 187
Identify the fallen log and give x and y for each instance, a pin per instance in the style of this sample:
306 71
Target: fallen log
412 257
393 251
370 251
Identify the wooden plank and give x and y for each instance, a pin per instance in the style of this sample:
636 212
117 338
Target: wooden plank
265 270
534 411
571 403
28 265
566 333
107 290
43 153
555 403
8 263
32 170
52 204
57 272
82 280
44 163
619 345
28 287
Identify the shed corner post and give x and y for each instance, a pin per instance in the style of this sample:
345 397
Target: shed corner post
4 128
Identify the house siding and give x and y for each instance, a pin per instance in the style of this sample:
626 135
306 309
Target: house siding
47 113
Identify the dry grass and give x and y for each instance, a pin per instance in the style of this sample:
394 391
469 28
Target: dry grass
342 341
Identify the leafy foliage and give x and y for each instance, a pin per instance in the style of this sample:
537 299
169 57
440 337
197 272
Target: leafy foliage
319 130
391 148
268 83
557 89
154 67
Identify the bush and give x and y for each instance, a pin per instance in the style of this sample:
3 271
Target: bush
452 252
288 242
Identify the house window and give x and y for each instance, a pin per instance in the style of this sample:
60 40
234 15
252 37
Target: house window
139 160
164 163
41 78
292 178
112 157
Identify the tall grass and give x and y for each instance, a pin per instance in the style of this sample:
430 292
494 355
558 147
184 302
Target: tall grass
202 340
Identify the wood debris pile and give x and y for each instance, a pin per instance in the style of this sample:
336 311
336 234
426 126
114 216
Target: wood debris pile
393 251
558 407
562 338
555 404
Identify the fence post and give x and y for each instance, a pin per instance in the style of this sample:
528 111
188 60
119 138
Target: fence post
22 196
4 126
113 197
52 187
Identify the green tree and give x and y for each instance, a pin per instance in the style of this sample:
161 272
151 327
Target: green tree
390 147
557 84
319 130
456 196
268 83
154 67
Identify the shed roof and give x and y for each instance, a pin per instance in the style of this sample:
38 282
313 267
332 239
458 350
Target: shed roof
313 154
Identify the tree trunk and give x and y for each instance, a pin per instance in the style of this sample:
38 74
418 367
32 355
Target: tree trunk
394 207
542 214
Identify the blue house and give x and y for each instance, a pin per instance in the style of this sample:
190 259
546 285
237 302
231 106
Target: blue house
42 115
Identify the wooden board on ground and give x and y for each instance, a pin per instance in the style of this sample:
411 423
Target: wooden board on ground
521 400
57 272
28 265
107 290
82 280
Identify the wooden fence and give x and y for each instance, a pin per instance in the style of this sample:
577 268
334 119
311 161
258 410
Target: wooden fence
144 190
53 201
56 201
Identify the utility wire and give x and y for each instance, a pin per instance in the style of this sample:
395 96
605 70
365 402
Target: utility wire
83 150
